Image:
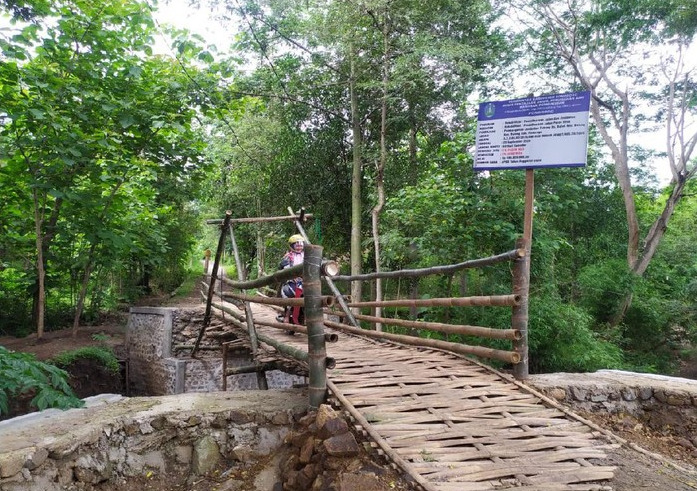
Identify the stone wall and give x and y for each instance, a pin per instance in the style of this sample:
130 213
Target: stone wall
152 371
169 437
657 400
157 368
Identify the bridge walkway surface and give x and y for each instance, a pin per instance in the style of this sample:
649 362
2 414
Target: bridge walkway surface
454 424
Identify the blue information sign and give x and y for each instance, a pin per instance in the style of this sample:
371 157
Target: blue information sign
546 131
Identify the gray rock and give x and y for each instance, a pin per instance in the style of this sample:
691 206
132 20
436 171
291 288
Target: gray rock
206 456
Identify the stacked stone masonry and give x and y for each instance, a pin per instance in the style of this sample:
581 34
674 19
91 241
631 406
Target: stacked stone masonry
169 437
656 400
157 367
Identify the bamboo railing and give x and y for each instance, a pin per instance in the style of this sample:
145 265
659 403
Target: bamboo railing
313 270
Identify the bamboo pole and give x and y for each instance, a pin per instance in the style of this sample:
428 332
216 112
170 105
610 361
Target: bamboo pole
494 354
329 281
276 277
484 332
263 367
191 346
479 301
312 288
214 221
328 337
327 301
414 273
519 314
211 287
283 348
262 383
225 348
375 435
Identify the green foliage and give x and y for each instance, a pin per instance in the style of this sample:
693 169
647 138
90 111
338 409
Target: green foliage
602 287
21 373
102 354
561 338
101 140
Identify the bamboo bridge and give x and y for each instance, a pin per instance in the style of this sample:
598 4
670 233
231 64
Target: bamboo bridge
451 423
448 421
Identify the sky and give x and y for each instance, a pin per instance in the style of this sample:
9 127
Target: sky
200 21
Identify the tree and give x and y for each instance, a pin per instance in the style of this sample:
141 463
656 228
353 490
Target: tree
381 69
597 43
88 112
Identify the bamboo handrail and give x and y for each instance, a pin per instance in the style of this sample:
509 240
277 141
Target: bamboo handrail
215 221
484 332
327 301
328 337
283 348
275 277
327 268
415 273
495 354
476 301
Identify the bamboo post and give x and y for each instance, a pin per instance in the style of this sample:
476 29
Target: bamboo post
211 287
414 273
329 281
224 367
314 321
262 383
521 282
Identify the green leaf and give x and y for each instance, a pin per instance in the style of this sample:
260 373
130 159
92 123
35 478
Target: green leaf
126 121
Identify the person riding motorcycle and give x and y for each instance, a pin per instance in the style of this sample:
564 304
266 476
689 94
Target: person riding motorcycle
293 288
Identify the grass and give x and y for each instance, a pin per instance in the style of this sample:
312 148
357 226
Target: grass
102 354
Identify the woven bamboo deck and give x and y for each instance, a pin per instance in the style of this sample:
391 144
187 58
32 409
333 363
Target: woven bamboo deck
453 424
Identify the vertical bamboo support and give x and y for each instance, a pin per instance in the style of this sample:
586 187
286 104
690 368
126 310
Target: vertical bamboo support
224 367
521 281
214 277
261 376
314 320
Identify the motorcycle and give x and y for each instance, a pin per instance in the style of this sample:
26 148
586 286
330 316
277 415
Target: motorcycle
295 314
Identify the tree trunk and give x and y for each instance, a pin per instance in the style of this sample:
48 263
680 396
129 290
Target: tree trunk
40 269
595 72
45 244
83 289
356 253
380 174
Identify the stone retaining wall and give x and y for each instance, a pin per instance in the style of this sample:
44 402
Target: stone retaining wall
168 438
156 368
657 400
